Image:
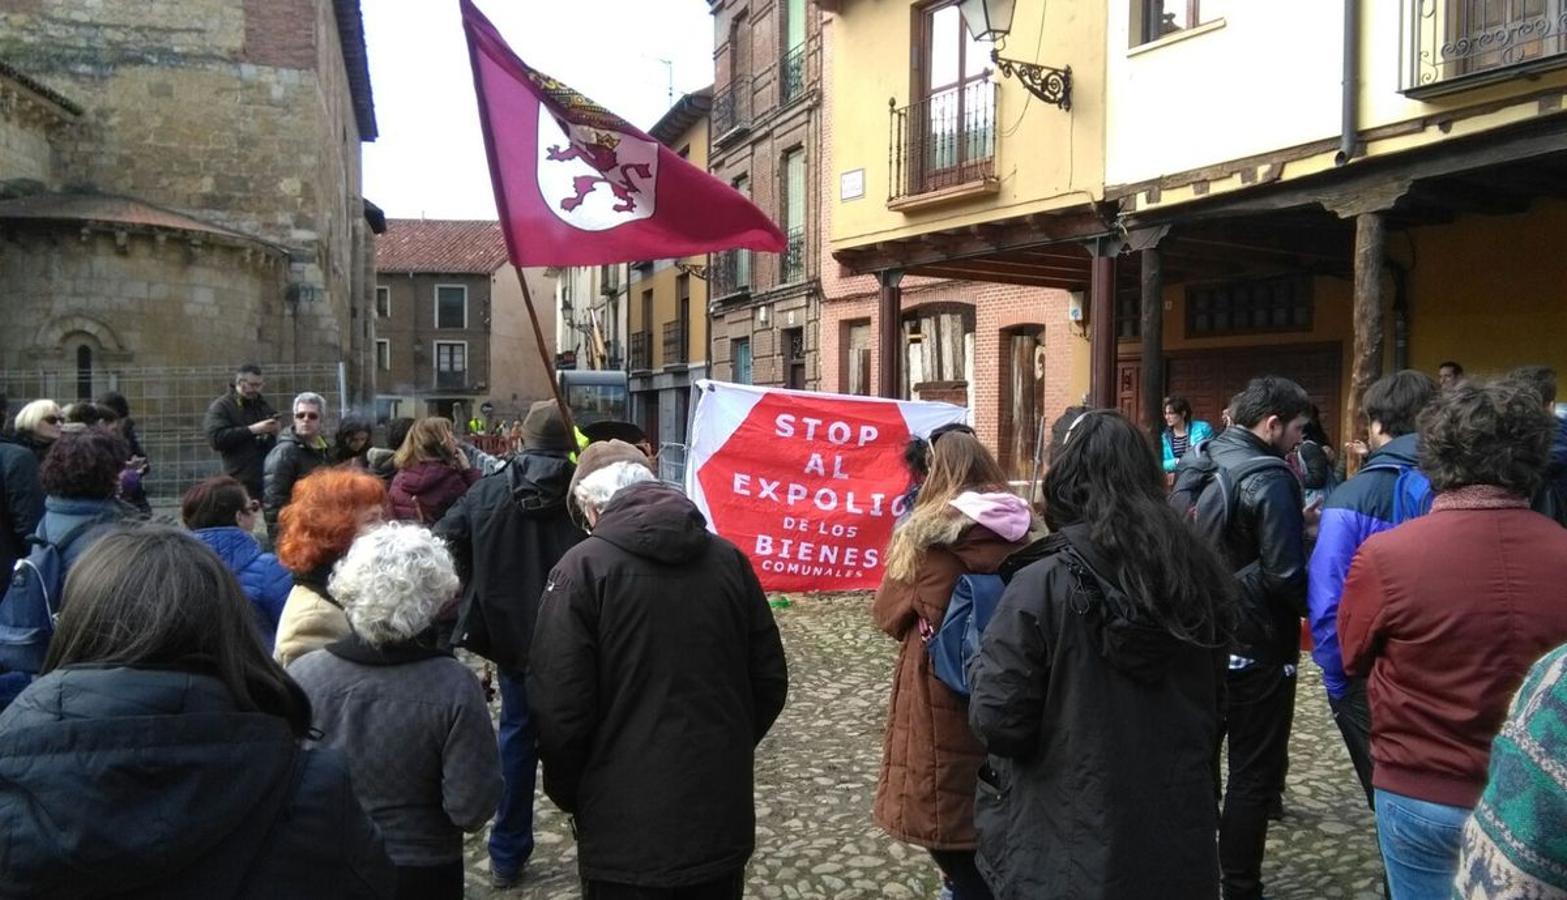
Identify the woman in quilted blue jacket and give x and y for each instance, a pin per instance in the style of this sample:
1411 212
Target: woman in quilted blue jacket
222 514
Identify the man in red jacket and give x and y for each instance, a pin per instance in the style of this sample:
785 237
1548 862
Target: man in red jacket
1445 614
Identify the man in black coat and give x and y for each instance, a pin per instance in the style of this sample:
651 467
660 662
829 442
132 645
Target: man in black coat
242 426
656 670
21 499
1264 545
301 449
506 534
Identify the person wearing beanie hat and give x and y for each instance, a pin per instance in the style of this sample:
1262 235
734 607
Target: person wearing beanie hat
651 621
506 534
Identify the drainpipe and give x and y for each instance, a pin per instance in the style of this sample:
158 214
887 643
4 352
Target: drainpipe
1348 146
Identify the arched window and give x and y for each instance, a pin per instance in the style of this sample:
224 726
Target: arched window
83 372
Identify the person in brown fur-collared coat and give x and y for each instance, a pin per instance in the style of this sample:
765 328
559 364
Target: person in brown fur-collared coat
964 522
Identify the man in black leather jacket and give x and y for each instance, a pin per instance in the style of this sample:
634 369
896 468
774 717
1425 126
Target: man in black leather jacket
1265 547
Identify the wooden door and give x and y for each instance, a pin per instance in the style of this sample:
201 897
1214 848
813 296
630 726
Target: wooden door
1208 379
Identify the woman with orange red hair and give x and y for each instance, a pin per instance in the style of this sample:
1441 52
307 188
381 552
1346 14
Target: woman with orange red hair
329 509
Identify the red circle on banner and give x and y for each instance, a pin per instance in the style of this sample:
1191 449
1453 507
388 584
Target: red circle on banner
809 489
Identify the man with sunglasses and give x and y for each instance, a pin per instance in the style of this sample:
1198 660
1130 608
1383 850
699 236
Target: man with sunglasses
242 426
300 450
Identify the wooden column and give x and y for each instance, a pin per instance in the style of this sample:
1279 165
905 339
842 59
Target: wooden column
889 330
1153 342
1101 323
1366 364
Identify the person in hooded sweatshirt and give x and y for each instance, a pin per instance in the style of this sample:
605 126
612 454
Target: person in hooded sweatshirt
656 670
506 533
964 522
160 754
1359 508
1097 686
432 472
223 515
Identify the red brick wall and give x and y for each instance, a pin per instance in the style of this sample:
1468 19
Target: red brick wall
281 33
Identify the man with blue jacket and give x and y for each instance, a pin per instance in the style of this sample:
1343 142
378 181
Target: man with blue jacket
1356 510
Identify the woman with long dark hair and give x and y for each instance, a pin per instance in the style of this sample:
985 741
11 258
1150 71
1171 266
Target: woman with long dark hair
964 522
160 753
1097 688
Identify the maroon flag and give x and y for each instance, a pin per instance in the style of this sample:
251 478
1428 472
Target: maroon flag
577 185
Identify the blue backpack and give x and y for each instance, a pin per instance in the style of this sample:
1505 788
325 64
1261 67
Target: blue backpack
1412 494
32 602
974 601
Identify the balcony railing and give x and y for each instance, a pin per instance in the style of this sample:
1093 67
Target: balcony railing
641 350
730 274
451 381
791 75
1454 44
945 140
676 343
732 107
792 263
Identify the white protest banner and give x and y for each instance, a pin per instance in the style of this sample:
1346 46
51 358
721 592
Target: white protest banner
808 485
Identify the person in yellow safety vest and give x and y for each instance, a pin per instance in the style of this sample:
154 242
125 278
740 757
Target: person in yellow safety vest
582 443
475 425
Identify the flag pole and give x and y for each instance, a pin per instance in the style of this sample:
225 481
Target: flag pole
544 355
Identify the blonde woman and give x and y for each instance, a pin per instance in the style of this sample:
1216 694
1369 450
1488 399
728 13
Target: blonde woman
432 472
38 426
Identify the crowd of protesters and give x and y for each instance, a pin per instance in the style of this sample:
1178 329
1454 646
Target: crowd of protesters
219 713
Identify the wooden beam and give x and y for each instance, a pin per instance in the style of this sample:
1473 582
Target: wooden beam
1153 342
1366 365
1039 281
1101 323
889 328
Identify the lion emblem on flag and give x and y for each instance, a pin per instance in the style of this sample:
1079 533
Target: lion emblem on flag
594 177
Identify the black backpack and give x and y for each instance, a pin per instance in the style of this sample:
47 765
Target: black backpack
1206 494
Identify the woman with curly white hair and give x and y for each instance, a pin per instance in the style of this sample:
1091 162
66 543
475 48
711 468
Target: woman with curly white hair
410 719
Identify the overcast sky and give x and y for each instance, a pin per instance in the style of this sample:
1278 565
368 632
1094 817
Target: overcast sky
429 159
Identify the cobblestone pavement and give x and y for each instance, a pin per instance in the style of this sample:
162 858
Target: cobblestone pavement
816 777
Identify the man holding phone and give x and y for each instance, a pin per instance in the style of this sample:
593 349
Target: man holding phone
243 427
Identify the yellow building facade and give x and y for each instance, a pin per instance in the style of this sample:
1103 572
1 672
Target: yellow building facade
1286 162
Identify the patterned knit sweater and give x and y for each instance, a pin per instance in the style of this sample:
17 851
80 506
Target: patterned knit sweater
1515 844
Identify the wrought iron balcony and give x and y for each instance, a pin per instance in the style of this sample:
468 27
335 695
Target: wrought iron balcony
676 343
451 381
1456 44
729 274
791 75
641 350
945 140
792 263
732 108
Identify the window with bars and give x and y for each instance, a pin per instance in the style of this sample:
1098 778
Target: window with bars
793 261
1283 303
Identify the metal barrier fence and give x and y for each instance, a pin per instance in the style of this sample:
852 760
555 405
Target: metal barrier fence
168 405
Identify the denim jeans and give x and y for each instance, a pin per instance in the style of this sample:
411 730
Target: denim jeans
1420 842
511 837
1259 710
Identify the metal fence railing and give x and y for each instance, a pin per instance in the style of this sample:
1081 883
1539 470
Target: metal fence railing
168 405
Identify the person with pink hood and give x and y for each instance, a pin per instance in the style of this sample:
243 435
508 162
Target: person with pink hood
964 522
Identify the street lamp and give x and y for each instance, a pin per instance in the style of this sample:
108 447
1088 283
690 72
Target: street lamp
988 19
991 20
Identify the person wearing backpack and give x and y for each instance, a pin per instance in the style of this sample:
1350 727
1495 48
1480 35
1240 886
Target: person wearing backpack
79 478
1445 614
159 755
1241 496
1387 490
1124 611
964 522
